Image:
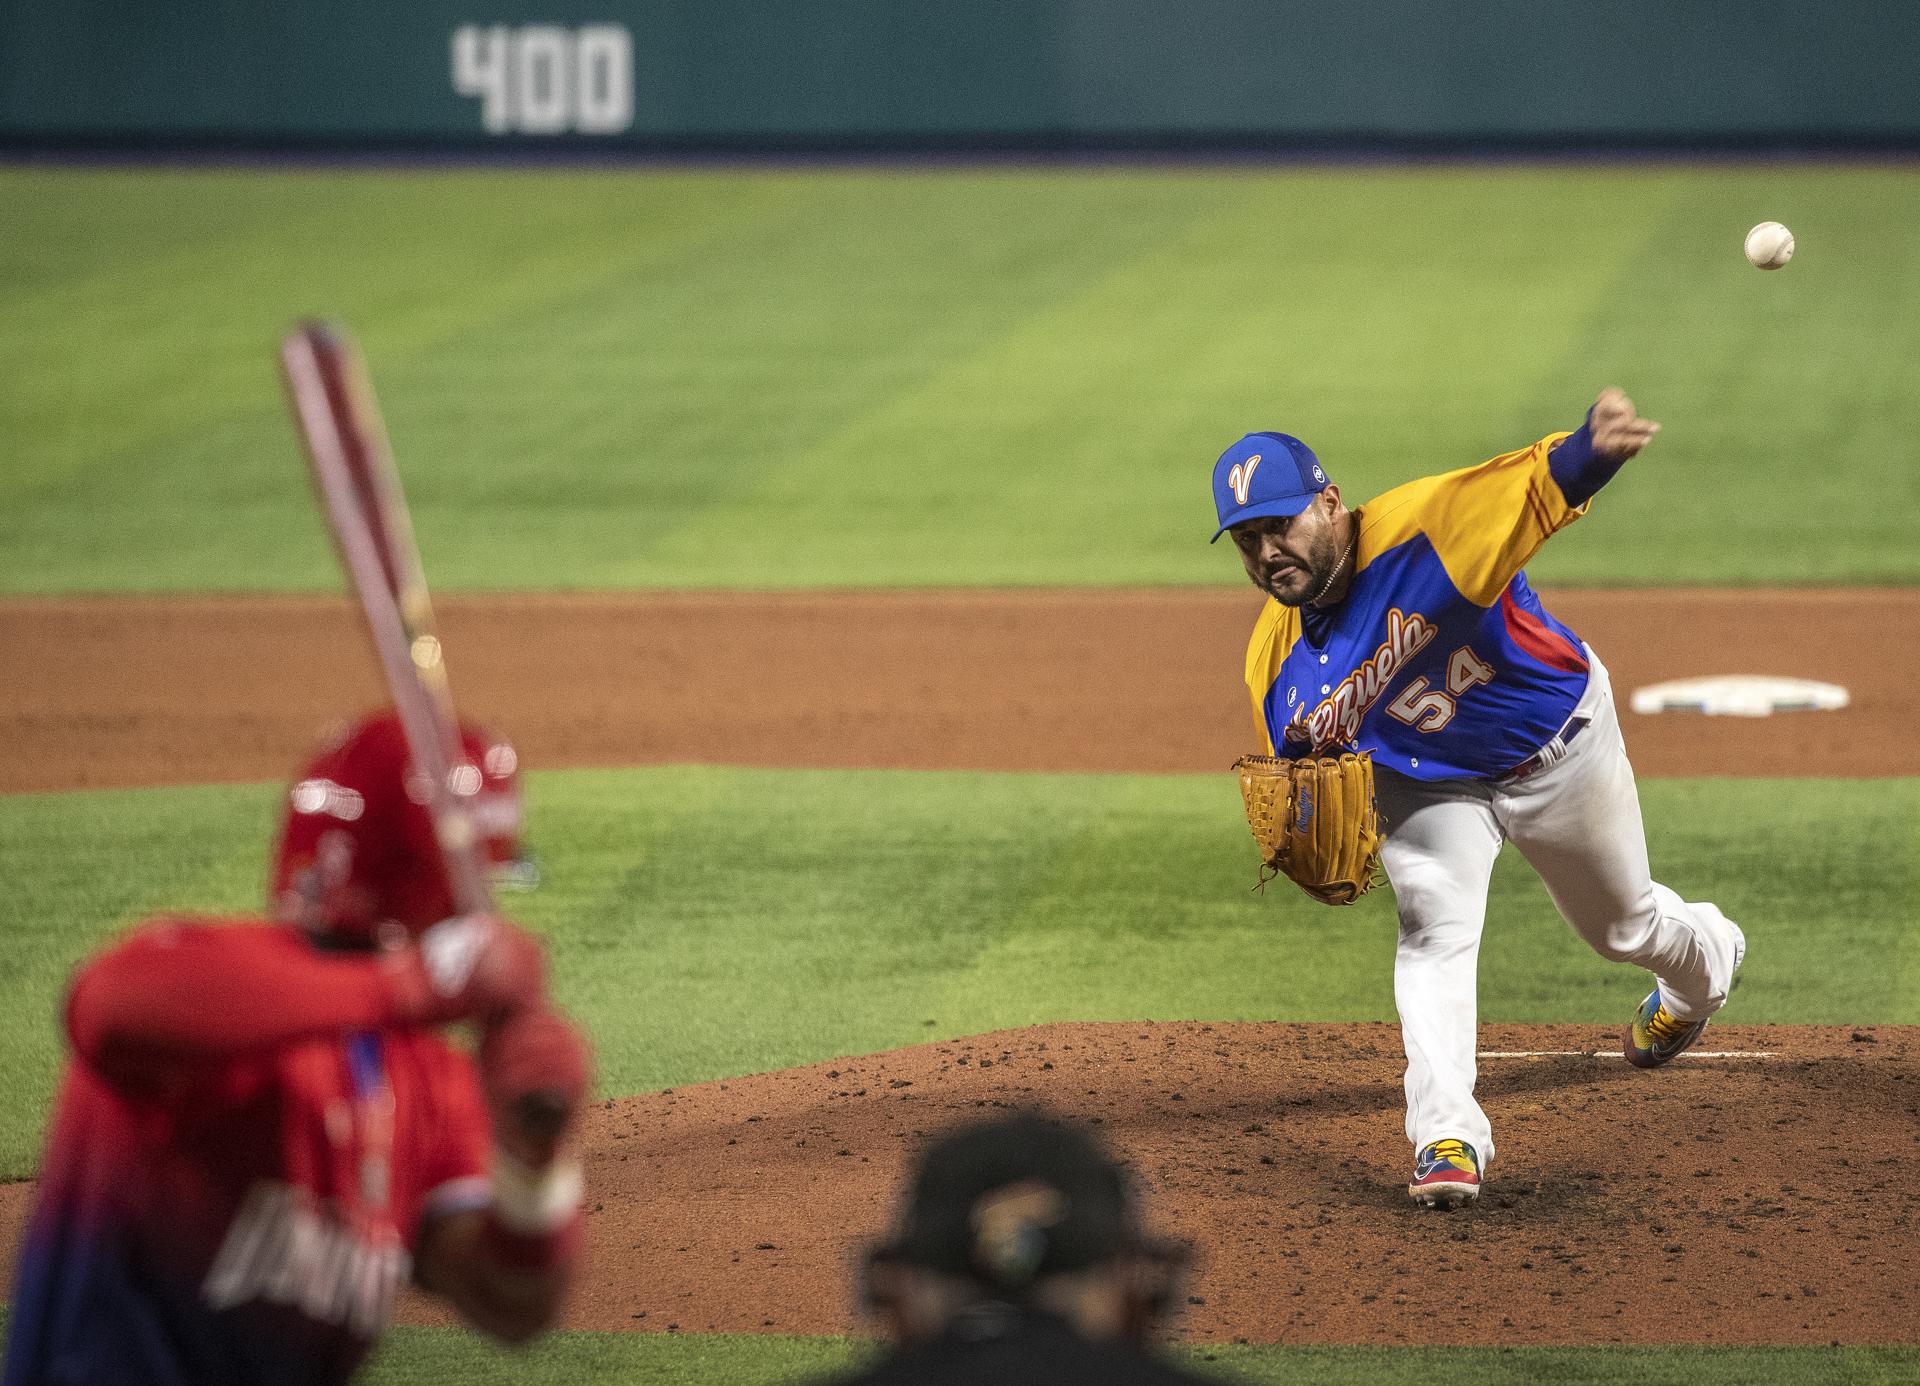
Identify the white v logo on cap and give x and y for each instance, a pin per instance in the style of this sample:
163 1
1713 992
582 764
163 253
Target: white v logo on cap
1240 478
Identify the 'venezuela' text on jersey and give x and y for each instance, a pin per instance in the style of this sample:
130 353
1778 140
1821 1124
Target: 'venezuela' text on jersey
1441 661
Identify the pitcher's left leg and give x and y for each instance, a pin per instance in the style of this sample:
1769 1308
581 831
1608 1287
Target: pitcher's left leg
1578 824
1439 851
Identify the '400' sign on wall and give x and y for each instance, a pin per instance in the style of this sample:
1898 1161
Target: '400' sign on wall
543 79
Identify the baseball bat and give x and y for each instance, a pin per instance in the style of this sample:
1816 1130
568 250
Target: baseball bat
366 509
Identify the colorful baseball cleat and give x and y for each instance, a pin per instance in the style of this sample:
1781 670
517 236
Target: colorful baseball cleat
1657 1035
1446 1174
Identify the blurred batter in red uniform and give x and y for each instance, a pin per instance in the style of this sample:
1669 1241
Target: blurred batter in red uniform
262 1133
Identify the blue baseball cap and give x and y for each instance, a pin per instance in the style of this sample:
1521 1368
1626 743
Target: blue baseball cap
1264 474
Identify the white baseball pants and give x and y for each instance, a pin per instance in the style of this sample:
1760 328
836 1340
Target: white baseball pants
1577 822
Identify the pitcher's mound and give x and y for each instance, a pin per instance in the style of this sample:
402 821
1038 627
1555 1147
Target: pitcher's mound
1741 1199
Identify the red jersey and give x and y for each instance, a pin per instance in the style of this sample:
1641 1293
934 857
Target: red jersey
238 1217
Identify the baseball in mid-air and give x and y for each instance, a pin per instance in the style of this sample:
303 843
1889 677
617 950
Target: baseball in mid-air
1769 245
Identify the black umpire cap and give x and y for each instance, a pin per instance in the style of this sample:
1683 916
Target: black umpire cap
1008 1201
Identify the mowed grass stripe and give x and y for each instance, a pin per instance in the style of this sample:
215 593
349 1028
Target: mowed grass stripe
427 1357
1713 512
711 922
869 378
1225 322
435 1356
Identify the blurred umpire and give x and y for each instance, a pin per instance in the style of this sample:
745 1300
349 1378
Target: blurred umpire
1019 1257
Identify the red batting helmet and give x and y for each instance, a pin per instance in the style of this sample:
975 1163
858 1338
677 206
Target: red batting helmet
357 848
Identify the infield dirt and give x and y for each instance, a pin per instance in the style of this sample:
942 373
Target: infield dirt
1747 1200
108 692
1720 1200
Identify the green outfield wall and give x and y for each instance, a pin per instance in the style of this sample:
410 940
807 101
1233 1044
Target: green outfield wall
639 74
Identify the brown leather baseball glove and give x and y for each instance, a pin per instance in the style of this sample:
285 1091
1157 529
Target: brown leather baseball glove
1315 821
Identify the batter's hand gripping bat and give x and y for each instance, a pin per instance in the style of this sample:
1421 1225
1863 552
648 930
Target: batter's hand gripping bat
346 445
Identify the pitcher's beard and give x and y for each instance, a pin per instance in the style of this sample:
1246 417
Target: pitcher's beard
1274 591
1321 562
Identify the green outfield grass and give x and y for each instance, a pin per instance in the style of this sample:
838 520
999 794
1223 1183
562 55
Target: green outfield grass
711 922
884 377
435 1356
430 1357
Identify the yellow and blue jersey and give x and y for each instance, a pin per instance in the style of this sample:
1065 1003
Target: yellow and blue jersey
1441 661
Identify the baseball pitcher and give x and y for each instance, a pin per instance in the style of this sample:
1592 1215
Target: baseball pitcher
262 1134
1403 643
